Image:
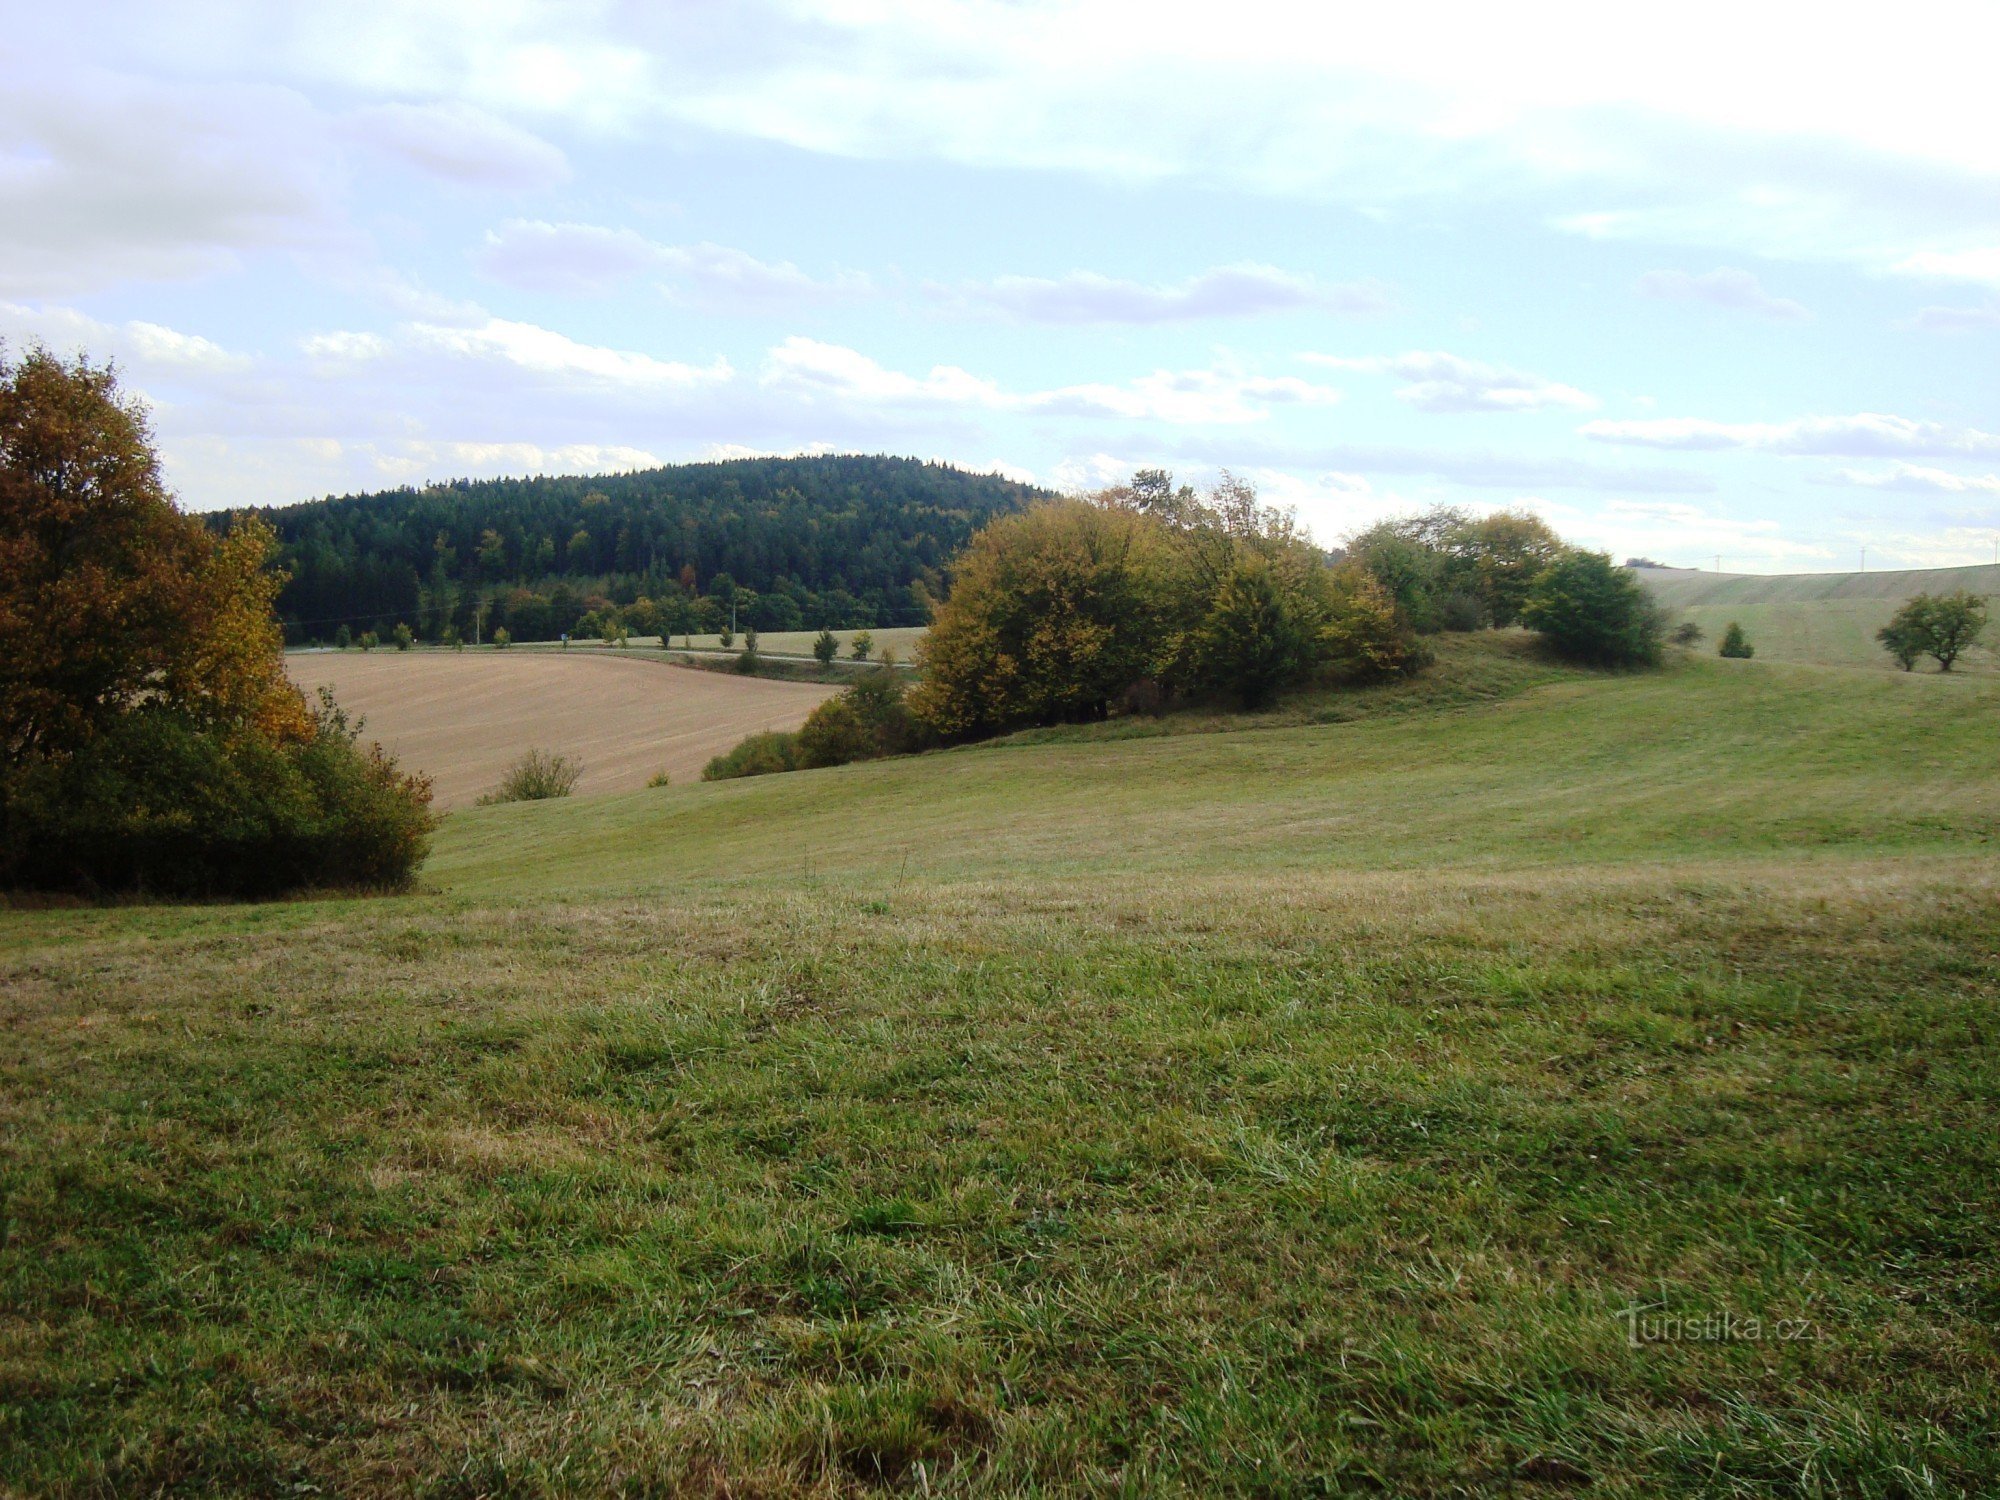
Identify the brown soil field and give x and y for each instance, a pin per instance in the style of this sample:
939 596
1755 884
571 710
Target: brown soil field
464 716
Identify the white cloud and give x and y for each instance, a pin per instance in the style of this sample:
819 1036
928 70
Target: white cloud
1727 287
105 179
1956 265
1446 383
814 370
1225 292
461 143
145 349
590 260
1867 434
1916 479
1955 319
545 352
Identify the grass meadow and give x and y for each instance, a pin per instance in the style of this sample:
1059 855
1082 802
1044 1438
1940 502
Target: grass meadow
1518 1081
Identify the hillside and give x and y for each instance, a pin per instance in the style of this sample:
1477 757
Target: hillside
843 541
1829 618
1292 1108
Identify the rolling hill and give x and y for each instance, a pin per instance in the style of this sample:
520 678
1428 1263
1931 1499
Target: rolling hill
1829 618
1521 1080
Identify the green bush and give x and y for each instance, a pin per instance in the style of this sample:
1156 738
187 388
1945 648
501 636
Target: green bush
403 636
160 805
501 639
760 755
343 638
535 777
825 648
1592 611
1735 644
867 721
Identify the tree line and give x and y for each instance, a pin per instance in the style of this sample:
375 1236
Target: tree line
839 542
1149 595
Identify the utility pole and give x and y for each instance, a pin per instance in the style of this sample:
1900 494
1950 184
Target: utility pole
1718 562
1864 559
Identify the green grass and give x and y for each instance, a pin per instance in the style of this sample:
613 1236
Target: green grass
1827 618
1287 1110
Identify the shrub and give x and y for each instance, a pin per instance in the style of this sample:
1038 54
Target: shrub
501 639
728 638
862 645
343 638
369 640
1590 610
825 648
746 659
404 637
1685 634
867 721
164 805
759 755
535 777
659 779
1735 644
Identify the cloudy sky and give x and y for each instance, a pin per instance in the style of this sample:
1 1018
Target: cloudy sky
1692 280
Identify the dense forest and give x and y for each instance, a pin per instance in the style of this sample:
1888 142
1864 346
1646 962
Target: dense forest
787 543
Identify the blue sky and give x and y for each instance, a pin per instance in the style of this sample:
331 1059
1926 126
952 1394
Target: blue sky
1692 281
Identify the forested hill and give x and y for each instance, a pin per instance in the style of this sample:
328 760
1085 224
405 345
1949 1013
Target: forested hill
795 543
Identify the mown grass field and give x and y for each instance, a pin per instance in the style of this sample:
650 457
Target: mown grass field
1829 618
1303 1109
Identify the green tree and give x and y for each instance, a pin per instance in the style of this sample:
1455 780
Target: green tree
826 646
1251 643
343 638
1590 610
403 637
1940 626
863 644
1903 638
369 640
501 639
1505 553
1735 644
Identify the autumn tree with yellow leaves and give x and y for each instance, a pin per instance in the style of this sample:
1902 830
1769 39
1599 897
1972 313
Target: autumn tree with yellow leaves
149 734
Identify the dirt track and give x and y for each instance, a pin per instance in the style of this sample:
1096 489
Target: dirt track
463 716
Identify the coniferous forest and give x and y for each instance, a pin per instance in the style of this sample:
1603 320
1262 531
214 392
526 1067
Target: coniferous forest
838 542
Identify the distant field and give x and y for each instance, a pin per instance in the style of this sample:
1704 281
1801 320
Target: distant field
1829 618
1308 1106
901 639
463 716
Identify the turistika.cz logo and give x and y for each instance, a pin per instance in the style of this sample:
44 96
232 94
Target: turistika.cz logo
1653 1324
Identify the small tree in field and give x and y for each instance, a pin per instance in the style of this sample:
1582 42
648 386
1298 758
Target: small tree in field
826 648
343 638
1735 644
1687 634
1903 638
1940 626
501 639
863 644
728 638
403 637
370 640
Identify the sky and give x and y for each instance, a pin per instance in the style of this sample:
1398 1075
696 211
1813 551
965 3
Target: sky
1715 284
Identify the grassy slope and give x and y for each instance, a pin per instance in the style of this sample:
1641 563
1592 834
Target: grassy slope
1830 618
1283 1111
